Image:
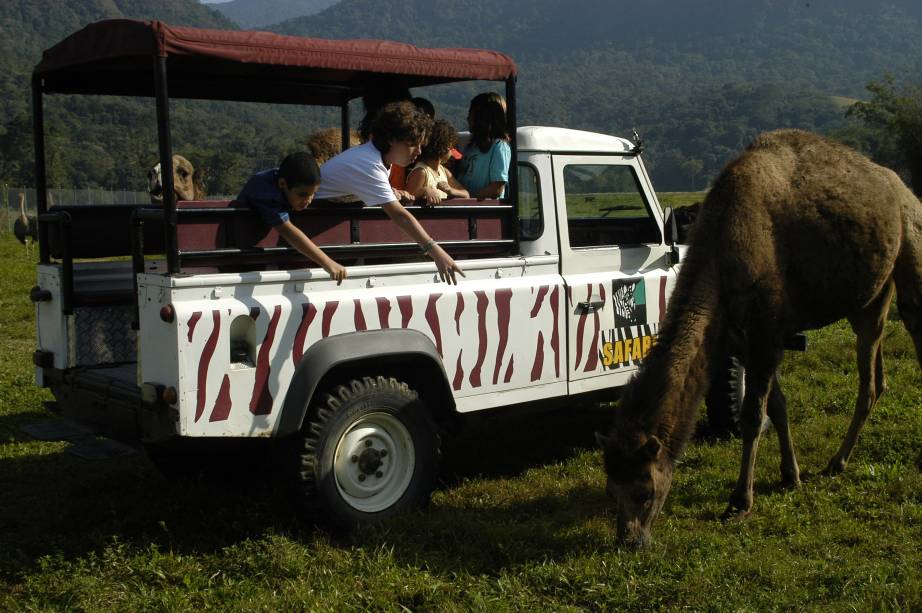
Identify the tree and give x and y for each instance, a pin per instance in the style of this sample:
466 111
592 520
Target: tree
692 167
897 112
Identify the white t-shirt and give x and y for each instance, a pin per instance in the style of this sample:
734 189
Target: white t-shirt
358 172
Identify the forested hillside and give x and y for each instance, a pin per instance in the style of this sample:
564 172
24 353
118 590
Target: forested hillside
697 78
110 142
251 14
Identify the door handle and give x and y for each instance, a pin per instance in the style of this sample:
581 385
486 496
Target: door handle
590 306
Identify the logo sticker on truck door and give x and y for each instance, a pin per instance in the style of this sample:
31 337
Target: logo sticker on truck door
630 302
627 344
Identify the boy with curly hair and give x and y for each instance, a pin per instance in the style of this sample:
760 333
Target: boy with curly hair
362 173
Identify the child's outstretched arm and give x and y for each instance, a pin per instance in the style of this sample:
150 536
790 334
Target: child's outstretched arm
297 239
448 269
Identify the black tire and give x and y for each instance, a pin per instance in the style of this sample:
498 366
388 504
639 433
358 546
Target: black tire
367 451
724 401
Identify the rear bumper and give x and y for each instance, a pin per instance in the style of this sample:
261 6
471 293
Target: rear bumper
102 399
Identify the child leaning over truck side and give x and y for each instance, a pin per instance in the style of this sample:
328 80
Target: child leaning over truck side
274 193
361 173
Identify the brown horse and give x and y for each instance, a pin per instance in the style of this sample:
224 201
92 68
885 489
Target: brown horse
796 233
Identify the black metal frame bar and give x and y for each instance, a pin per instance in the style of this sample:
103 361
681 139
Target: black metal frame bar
263 255
345 121
166 165
41 176
513 191
365 212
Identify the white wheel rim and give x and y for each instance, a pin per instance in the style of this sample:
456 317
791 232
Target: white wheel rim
374 462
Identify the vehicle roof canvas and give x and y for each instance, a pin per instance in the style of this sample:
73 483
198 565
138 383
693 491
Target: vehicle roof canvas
114 57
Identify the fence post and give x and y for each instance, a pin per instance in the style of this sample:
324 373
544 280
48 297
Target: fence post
6 206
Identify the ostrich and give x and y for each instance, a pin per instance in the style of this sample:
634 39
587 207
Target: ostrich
26 226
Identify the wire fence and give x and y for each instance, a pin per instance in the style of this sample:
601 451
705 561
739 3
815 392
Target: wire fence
12 197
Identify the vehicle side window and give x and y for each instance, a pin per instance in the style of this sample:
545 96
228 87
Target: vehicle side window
606 207
531 223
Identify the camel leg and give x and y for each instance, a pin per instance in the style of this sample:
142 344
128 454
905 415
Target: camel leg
908 277
869 328
759 382
778 412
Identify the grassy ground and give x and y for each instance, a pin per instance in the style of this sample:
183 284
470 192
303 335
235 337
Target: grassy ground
679 199
521 523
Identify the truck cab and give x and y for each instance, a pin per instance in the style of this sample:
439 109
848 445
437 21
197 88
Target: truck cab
595 208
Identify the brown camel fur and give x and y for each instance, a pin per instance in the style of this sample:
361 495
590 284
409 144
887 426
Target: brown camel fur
188 181
796 233
324 144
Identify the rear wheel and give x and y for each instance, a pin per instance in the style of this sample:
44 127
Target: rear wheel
368 451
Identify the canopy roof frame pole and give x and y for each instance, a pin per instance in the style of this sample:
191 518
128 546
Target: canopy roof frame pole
511 123
347 129
41 175
166 164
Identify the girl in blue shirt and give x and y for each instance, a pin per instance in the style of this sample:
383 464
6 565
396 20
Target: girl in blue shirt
484 168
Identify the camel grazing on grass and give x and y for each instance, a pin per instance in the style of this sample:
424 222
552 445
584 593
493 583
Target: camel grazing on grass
324 144
188 182
796 233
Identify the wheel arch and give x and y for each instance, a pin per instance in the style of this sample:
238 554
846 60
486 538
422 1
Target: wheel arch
408 355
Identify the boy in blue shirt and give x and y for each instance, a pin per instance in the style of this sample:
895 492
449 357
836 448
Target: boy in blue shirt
274 193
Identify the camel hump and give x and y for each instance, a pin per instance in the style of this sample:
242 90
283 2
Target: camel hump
785 205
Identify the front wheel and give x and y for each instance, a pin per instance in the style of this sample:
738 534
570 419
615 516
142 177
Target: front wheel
368 451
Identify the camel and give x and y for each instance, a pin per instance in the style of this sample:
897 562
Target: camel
324 144
188 182
796 233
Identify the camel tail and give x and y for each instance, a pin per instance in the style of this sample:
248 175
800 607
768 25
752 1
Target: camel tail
907 274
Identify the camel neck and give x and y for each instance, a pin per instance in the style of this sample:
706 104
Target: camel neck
665 395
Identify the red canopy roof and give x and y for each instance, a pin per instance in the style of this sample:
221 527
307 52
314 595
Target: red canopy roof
116 57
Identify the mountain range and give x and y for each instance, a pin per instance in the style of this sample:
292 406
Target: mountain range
697 78
250 14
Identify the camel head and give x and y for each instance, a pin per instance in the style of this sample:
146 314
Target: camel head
639 478
328 142
187 181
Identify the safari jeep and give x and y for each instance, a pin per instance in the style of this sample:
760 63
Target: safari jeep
215 328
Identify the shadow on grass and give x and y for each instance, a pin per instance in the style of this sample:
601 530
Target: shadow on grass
54 503
467 538
60 505
508 445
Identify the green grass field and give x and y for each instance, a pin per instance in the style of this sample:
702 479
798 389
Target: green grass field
520 523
